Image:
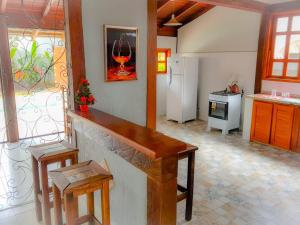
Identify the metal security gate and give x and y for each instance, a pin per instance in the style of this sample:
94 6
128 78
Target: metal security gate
34 83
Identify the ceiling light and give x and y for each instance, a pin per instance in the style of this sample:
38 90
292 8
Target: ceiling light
173 22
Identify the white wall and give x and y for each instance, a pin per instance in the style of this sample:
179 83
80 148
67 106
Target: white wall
292 88
124 99
163 42
226 42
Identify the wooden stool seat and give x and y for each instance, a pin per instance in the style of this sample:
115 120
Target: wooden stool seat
81 179
42 156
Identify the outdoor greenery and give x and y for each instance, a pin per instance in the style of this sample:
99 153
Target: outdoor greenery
30 63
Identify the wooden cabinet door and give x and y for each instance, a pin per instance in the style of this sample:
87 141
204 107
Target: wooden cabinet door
296 131
261 121
283 116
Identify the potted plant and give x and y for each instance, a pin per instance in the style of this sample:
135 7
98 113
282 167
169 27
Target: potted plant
83 97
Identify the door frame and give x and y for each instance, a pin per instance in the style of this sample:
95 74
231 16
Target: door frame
7 85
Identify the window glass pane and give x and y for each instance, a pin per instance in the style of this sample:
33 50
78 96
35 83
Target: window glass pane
161 67
294 52
282 24
161 56
279 50
296 23
277 69
292 70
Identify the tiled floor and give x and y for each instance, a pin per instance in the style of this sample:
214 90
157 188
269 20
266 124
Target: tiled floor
236 183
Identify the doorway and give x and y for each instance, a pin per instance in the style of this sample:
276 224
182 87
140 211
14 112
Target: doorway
34 80
38 60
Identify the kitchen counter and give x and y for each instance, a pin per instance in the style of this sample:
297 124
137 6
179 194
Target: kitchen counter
248 108
149 142
142 161
277 99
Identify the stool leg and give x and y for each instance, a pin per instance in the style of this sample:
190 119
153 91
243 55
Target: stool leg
90 203
57 206
74 161
45 194
105 204
70 209
63 163
37 188
190 187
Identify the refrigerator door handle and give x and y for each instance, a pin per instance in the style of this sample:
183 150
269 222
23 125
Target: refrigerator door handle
171 76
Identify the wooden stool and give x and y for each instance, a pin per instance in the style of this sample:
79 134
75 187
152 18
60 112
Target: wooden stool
187 193
45 154
82 179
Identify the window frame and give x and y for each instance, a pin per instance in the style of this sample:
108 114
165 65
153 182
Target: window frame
167 52
270 55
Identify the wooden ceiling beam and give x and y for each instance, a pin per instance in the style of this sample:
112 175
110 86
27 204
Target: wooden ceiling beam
187 10
180 12
199 13
161 4
47 8
249 5
167 31
3 6
22 20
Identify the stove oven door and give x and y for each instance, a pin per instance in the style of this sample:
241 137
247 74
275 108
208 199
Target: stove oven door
218 110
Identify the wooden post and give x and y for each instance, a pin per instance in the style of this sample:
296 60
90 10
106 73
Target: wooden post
263 51
74 44
7 84
151 64
162 192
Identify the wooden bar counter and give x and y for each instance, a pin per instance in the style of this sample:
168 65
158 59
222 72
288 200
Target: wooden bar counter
151 153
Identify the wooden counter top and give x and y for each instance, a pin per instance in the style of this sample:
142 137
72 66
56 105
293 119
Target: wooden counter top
276 99
151 143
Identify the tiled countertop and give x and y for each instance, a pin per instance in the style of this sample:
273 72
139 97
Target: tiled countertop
277 99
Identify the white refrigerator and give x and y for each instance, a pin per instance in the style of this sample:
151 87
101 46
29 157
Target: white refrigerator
182 92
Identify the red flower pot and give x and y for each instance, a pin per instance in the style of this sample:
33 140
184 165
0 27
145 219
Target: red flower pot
84 108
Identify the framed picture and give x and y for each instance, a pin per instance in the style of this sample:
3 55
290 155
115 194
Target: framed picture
121 46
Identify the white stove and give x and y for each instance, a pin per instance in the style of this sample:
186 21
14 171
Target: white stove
224 111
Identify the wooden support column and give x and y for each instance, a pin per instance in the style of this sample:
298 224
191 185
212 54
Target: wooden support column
152 64
7 84
263 51
162 192
74 44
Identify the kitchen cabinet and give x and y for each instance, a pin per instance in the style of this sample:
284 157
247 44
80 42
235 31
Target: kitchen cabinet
261 121
282 126
296 131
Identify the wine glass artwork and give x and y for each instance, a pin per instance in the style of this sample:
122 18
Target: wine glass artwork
121 53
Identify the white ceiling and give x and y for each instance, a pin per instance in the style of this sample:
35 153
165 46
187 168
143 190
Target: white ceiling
274 1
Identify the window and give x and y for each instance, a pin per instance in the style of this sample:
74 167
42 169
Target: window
285 44
162 60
